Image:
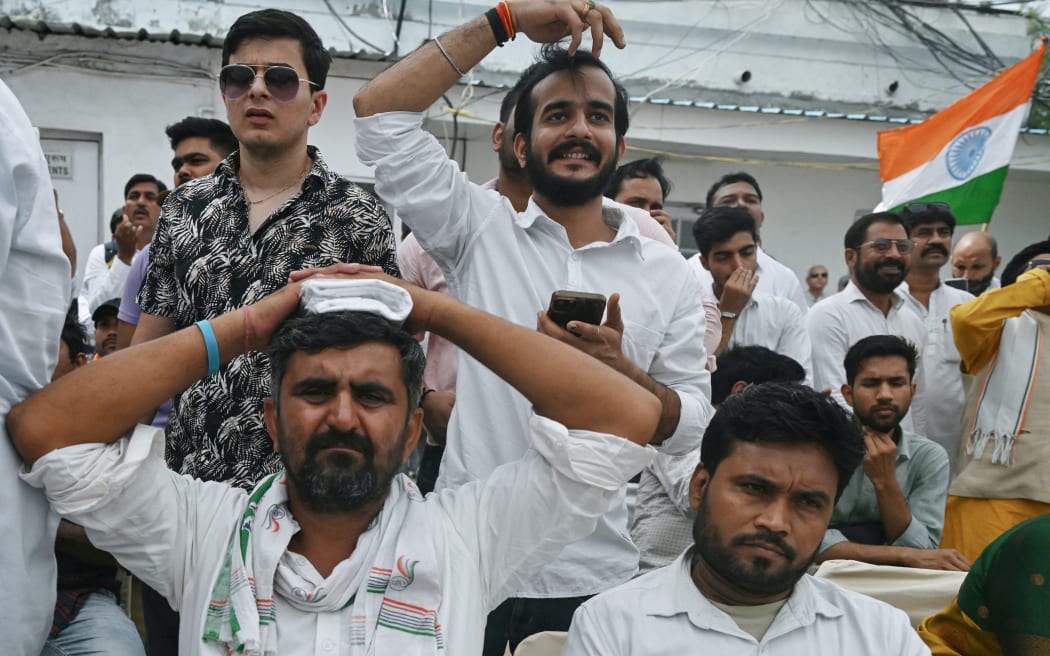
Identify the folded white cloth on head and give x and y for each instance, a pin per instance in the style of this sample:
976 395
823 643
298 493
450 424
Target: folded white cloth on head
323 295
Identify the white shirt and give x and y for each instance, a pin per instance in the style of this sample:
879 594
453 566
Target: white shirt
774 279
34 297
102 282
508 264
173 531
777 324
940 417
663 612
841 320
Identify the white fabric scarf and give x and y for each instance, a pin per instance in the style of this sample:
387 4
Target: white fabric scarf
1006 391
390 579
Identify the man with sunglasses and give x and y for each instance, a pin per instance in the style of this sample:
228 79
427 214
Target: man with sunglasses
878 256
932 226
816 281
229 239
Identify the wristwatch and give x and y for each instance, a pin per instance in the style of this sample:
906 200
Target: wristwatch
729 315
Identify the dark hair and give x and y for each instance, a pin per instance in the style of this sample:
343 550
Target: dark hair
277 23
313 333
718 224
915 214
784 413
510 101
73 334
115 218
139 178
650 167
1017 265
753 365
728 179
878 346
857 233
554 59
217 132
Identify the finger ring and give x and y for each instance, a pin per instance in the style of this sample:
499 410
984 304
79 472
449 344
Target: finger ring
597 332
587 9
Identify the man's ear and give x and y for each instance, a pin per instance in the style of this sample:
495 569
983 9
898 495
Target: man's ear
80 360
317 104
703 263
413 429
851 257
697 485
996 262
497 136
738 387
520 146
847 393
621 149
270 419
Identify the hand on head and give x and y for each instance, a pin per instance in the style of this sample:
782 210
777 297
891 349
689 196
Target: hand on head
547 21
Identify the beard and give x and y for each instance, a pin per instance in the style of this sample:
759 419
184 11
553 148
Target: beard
873 421
979 286
338 482
758 577
869 278
564 192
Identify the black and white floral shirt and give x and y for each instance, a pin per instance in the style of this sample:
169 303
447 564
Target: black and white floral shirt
204 261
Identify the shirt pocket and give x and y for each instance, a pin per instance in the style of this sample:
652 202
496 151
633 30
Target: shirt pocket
640 343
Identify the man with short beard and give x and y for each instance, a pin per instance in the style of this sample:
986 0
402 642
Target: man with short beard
975 259
940 419
773 461
892 511
336 552
569 125
878 256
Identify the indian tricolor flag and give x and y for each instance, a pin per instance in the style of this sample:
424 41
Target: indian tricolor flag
960 155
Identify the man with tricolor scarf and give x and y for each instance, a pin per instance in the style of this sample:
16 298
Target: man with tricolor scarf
337 553
1001 338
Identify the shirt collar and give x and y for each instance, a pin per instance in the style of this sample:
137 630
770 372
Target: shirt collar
854 295
615 218
227 172
803 606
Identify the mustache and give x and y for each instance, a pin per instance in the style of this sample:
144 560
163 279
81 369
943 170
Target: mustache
351 439
767 539
890 263
935 248
588 149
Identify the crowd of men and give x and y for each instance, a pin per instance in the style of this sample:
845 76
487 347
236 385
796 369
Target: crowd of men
238 443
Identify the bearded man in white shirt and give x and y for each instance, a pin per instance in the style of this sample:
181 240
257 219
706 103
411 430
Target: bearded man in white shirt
728 241
742 190
336 553
773 461
569 122
878 255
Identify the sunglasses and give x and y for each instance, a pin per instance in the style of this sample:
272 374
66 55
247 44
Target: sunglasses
1037 263
923 208
282 82
883 246
819 275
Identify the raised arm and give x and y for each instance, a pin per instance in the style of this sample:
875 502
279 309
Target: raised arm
418 81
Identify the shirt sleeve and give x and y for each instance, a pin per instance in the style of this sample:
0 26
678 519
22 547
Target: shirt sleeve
108 286
432 196
827 334
675 474
129 305
520 517
134 507
930 471
680 364
589 636
95 270
712 328
978 324
794 340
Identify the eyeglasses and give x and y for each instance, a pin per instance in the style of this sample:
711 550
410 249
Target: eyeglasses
819 275
923 208
883 246
1032 264
282 82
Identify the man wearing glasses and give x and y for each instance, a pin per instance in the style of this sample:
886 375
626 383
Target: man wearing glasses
231 238
878 257
816 281
931 226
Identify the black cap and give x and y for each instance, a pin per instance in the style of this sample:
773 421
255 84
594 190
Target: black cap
108 309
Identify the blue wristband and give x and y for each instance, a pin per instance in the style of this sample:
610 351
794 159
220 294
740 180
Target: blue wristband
211 344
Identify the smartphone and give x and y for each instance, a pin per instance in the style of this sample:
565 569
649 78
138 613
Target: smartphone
569 306
959 283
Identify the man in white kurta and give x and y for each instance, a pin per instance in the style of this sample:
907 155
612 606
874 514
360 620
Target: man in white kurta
34 297
420 575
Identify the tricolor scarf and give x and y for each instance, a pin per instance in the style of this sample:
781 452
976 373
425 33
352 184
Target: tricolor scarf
391 579
1006 391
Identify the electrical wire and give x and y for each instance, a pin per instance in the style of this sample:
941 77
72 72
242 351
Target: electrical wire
354 34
